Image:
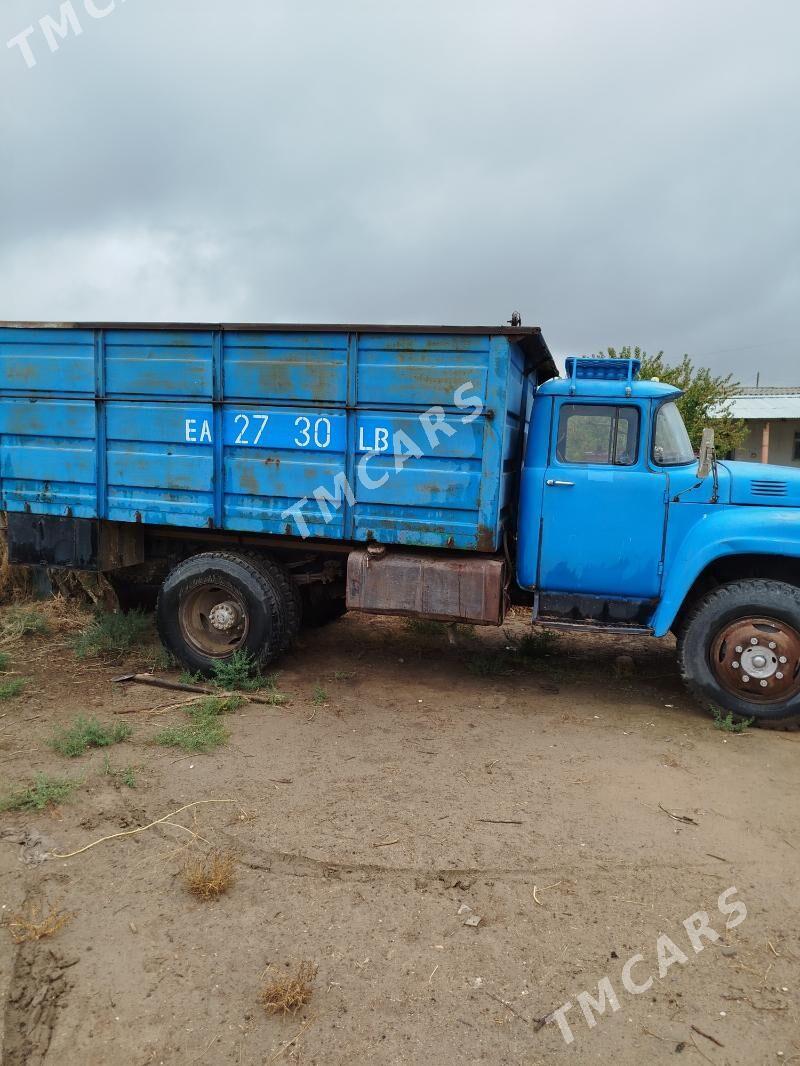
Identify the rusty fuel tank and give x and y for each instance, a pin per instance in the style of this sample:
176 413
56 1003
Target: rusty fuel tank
447 587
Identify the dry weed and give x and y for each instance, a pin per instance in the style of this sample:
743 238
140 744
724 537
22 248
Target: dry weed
210 876
66 614
16 582
286 995
36 923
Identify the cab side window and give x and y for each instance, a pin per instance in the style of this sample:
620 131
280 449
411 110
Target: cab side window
598 434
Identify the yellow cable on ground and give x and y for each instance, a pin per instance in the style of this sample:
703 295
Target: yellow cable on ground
132 832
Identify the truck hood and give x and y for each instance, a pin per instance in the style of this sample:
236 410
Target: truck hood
764 485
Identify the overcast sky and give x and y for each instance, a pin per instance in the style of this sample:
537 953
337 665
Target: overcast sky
619 172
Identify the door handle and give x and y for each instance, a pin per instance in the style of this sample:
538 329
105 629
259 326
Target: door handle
559 484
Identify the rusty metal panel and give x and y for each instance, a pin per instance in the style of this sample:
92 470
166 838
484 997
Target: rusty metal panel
81 543
446 587
120 544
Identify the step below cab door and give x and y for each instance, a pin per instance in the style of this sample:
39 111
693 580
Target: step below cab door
604 507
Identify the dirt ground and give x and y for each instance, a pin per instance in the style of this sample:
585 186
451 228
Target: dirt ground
580 810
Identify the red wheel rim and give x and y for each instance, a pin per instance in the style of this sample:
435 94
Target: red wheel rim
757 659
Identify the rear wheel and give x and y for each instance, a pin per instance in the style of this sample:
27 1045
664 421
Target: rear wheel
739 651
290 596
218 603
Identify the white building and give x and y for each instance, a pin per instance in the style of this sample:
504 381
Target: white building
773 421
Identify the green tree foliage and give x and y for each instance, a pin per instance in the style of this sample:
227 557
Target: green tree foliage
706 399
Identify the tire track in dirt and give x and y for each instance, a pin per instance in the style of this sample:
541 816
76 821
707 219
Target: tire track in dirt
288 865
38 985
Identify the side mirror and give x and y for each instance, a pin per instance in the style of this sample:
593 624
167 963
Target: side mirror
706 458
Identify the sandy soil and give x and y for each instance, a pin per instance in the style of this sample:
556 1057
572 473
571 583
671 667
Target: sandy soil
543 797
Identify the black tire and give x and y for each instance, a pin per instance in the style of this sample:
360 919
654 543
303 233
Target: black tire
251 587
290 596
322 604
712 616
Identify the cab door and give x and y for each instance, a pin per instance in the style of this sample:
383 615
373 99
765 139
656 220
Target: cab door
604 507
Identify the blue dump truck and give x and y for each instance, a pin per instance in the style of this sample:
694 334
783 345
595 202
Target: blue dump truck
260 477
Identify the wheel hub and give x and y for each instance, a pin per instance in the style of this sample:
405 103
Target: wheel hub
214 620
224 616
758 659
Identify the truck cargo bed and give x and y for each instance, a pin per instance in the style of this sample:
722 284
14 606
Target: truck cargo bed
237 427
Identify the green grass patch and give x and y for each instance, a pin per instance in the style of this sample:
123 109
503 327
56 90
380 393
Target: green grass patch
201 735
538 644
11 688
125 775
44 792
86 733
212 706
205 731
112 634
729 724
5 661
319 696
21 622
187 678
238 672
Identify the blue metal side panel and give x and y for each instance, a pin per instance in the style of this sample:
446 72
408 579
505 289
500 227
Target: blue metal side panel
154 475
286 367
414 492
47 360
274 457
285 428
159 470
419 370
48 456
435 494
158 363
337 434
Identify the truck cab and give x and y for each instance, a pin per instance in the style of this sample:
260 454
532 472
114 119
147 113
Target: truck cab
618 530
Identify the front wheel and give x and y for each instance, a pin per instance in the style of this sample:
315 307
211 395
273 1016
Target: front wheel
219 603
739 651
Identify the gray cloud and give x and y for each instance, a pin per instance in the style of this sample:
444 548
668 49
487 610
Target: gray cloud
619 172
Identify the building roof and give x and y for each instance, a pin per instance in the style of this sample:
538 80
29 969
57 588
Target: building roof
766 402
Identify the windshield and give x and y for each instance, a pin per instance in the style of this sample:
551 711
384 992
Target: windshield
671 444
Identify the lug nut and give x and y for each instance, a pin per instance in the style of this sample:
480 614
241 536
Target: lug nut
735 665
754 640
739 650
745 678
763 684
779 676
782 659
773 645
